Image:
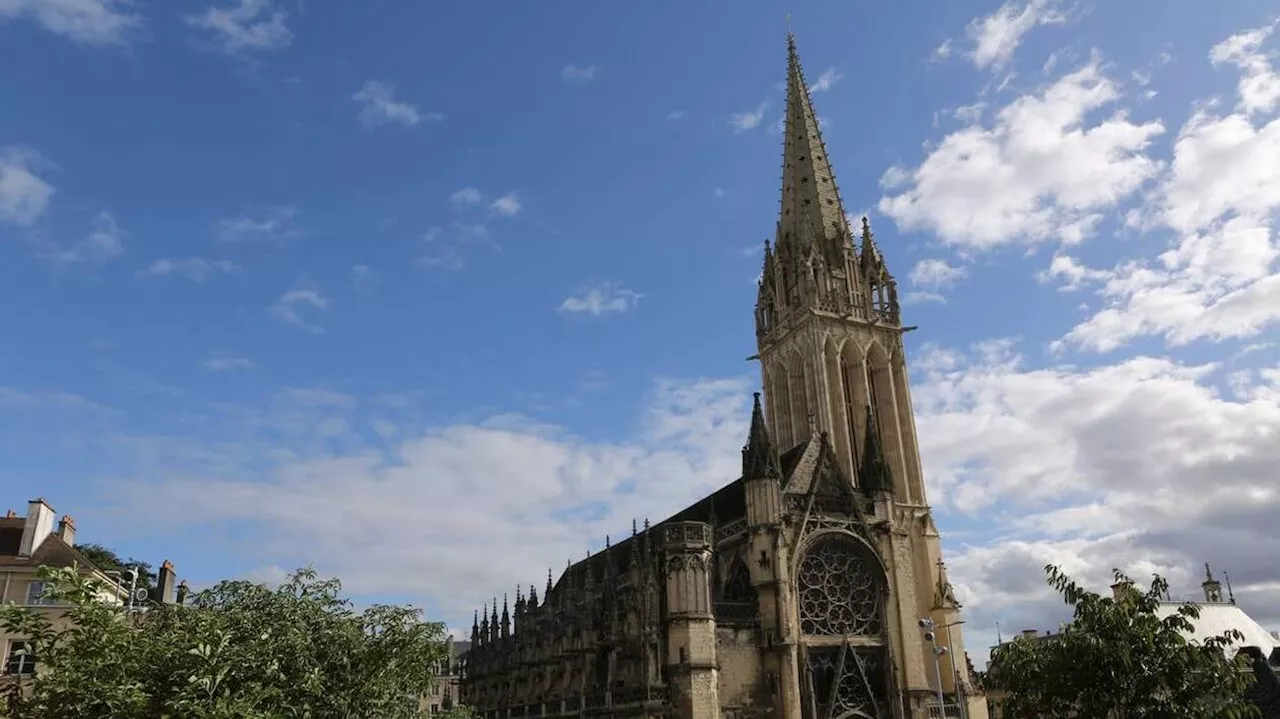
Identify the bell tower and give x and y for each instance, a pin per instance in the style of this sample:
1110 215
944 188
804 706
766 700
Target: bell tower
829 337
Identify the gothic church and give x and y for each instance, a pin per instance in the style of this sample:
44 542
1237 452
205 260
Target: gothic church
798 590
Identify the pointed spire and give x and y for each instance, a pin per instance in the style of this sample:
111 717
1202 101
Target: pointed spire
873 473
809 193
506 619
1231 596
759 460
872 260
547 595
533 597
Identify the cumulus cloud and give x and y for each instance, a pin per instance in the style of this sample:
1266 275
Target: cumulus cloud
508 205
87 22
1218 279
1041 171
242 27
379 106
24 195
1140 465
547 494
601 298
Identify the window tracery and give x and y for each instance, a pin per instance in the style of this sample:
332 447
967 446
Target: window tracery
840 587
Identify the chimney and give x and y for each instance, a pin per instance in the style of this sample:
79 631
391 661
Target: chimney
1030 633
1120 589
67 530
164 583
183 591
38 527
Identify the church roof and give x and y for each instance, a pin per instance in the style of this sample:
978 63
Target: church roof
1218 617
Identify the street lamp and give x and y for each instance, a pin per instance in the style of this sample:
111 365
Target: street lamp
927 625
955 672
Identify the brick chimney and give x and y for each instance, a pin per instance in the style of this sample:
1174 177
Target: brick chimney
67 530
38 527
1120 590
165 580
183 591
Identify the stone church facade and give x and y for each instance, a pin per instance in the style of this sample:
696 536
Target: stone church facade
797 590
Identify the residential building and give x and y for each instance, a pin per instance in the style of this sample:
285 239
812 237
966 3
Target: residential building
37 539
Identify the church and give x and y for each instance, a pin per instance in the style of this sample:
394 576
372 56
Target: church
811 587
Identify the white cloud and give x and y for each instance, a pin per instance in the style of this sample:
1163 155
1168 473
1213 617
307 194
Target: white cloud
675 115
1039 173
718 192
24 196
273 224
445 248
508 205
196 269
466 196
747 120
826 80
935 274
1259 84
997 36
579 74
379 106
226 363
294 304
1140 465
88 22
601 298
240 27
1219 279
361 273
941 52
104 242
548 494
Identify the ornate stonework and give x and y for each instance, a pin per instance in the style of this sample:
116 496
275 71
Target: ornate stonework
796 590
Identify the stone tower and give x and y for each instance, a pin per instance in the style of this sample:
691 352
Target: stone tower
829 337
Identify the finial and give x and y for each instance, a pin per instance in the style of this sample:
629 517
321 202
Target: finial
1231 596
1208 573
646 524
788 21
606 541
633 527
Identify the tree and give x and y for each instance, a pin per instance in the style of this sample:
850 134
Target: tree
238 650
1119 659
108 561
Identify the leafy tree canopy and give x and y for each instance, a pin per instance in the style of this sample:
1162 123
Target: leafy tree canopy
108 561
238 650
1119 659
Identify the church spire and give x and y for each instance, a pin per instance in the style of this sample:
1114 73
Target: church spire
759 460
812 212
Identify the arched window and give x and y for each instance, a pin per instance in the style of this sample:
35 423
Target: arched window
840 585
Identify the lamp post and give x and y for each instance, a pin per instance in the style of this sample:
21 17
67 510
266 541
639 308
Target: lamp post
927 625
955 672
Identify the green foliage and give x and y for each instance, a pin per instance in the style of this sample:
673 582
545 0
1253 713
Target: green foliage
238 650
109 561
1118 659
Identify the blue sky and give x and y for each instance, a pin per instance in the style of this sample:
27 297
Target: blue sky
438 295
